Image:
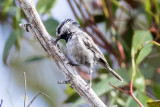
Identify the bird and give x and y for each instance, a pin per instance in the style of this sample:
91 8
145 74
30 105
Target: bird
82 48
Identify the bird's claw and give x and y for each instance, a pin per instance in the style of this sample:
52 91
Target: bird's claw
72 64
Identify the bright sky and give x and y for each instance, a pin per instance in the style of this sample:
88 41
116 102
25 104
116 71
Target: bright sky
62 11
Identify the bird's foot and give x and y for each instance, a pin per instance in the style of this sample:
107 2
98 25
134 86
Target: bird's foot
72 64
64 82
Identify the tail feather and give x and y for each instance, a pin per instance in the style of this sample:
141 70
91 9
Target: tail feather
113 72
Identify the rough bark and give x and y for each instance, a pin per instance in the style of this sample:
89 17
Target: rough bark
37 29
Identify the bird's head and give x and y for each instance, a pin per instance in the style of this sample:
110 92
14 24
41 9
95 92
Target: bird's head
65 29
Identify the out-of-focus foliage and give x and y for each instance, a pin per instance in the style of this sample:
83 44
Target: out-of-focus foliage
126 25
51 25
154 104
34 58
11 14
135 24
10 42
20 43
45 7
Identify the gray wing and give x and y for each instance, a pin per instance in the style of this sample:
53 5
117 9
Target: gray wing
89 43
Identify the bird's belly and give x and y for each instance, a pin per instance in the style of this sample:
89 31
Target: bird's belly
80 53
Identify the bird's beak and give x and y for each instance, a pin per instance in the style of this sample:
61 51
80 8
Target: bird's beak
57 39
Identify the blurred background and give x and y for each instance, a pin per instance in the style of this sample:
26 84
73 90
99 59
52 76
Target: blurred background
118 27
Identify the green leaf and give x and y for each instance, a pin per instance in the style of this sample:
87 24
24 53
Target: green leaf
80 21
139 38
143 98
154 103
34 58
120 6
156 88
51 25
114 97
101 88
147 69
148 10
7 5
139 81
154 59
10 42
148 5
69 90
73 96
131 102
45 6
19 39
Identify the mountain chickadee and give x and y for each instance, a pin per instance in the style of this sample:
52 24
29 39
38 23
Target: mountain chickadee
81 47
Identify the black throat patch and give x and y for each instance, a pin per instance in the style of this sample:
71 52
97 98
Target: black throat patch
68 37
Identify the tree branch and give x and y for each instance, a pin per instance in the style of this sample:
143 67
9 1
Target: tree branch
36 28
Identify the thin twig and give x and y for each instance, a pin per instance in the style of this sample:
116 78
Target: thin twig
47 96
105 9
120 6
111 16
94 39
92 24
97 31
84 28
34 98
133 75
134 56
38 93
133 96
127 92
80 9
74 12
84 5
89 14
121 50
24 74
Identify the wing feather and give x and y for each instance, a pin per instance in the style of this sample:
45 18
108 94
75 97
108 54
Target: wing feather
89 43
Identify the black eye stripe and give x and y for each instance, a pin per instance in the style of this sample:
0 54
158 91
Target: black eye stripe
60 26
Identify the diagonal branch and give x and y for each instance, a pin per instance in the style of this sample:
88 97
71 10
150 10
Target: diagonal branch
36 28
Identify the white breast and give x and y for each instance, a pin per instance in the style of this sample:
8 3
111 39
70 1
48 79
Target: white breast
78 51
71 45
